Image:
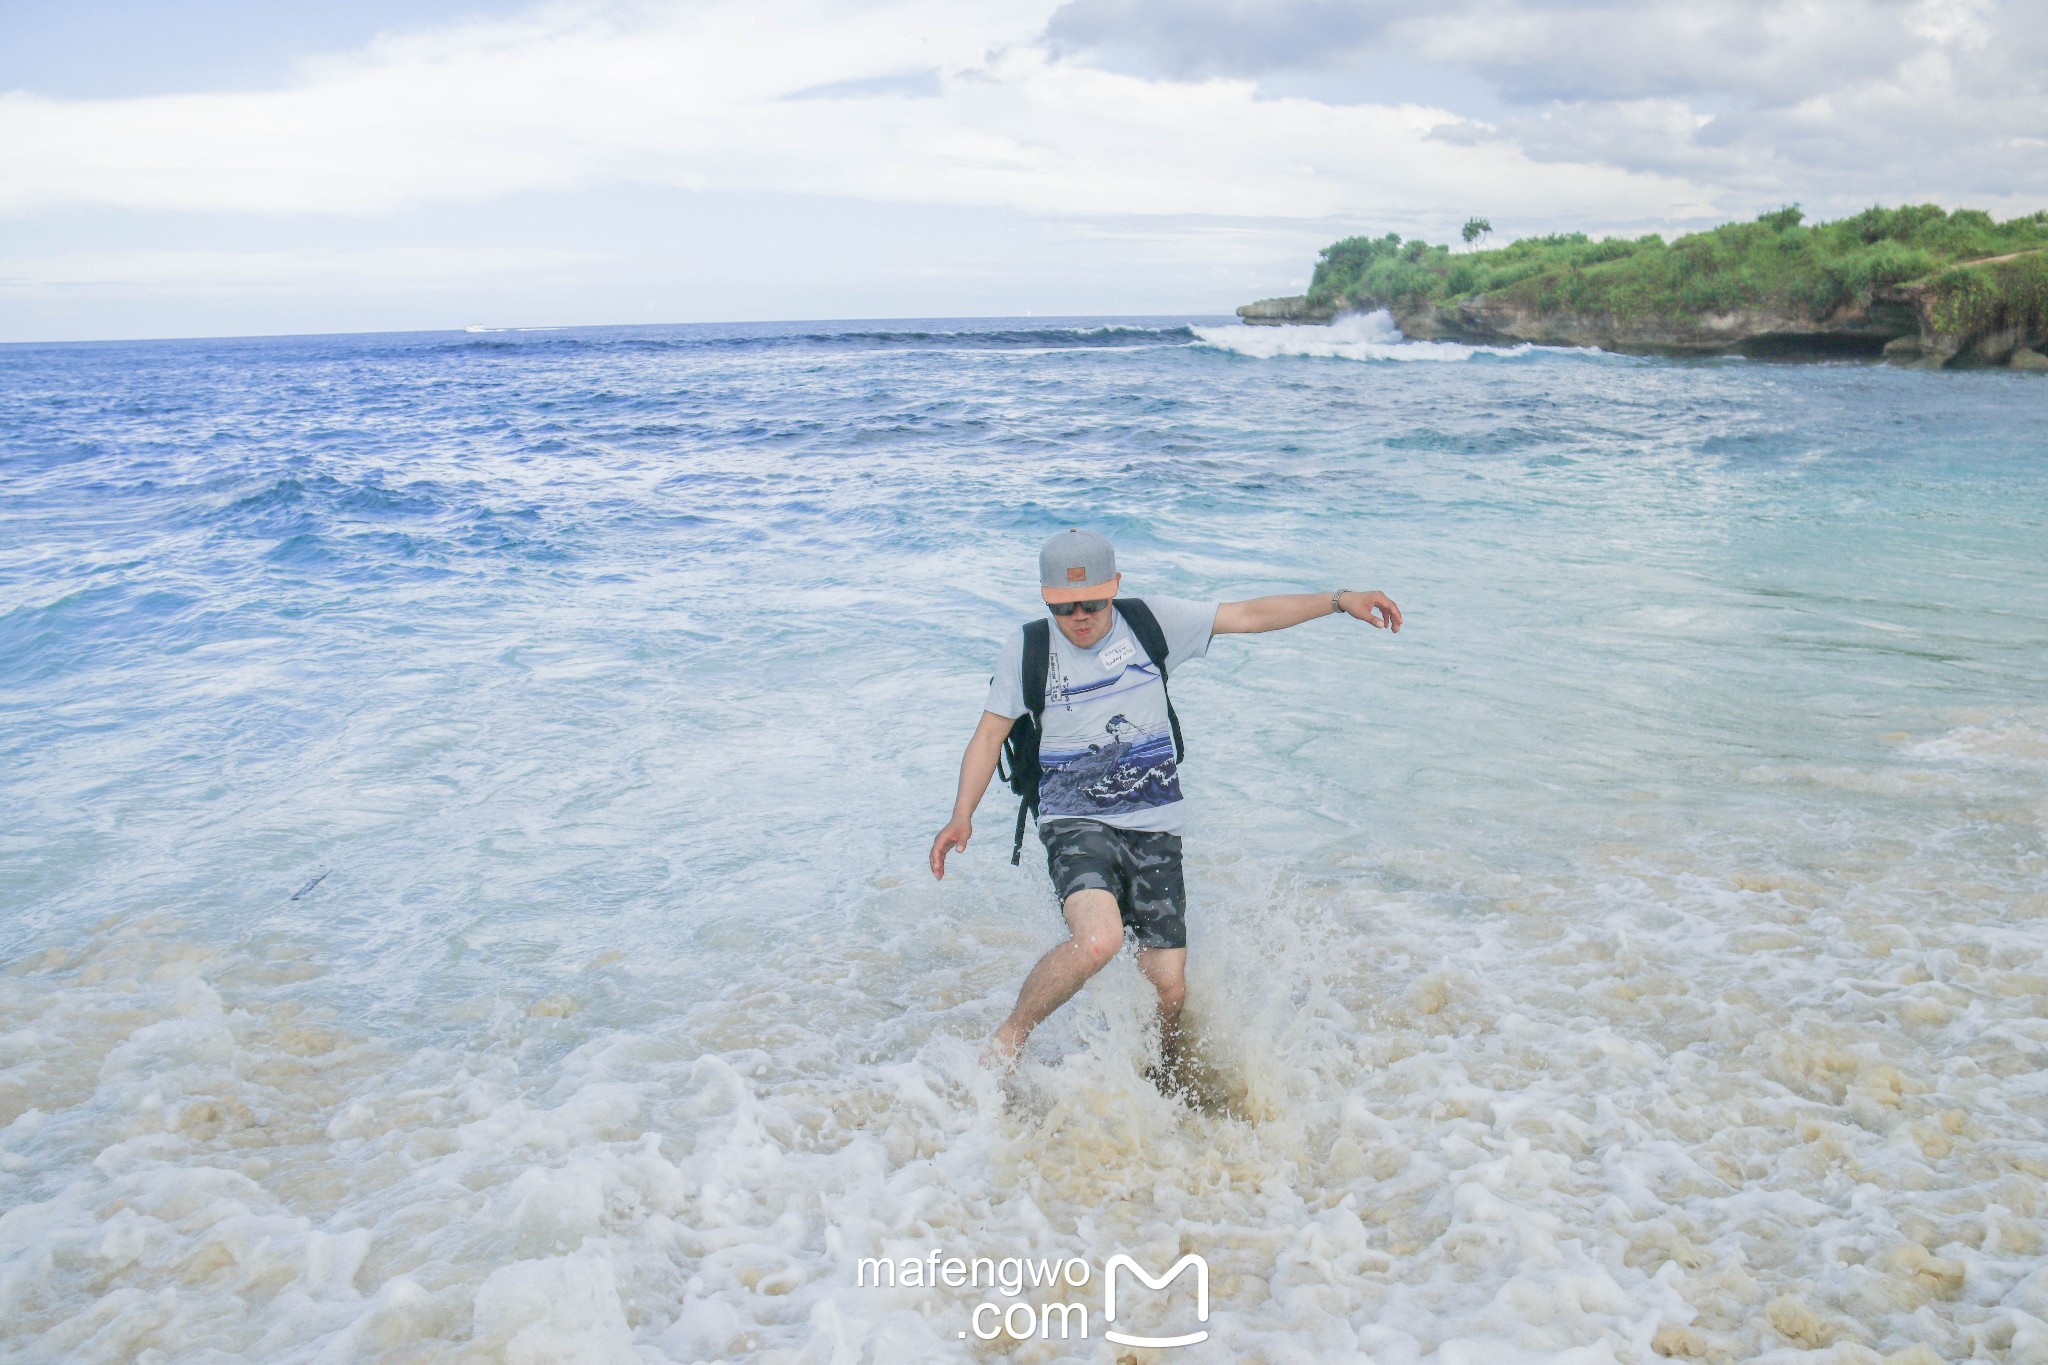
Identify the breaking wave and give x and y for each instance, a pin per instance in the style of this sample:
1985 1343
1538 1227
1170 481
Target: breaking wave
1355 336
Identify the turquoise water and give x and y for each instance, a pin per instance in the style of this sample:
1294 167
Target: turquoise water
1650 938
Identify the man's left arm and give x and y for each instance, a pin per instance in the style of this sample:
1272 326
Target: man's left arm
1257 615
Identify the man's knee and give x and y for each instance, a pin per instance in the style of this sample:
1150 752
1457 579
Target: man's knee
1097 927
1098 945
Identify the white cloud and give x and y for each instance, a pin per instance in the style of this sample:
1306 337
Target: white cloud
211 273
1836 102
1587 50
594 160
701 97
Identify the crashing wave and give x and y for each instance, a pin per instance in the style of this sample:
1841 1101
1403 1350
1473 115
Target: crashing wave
1356 336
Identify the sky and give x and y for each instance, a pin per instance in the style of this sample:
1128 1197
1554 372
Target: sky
229 167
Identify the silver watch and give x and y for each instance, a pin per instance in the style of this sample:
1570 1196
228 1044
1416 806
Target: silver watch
1337 600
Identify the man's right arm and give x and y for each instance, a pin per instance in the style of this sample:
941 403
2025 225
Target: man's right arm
977 766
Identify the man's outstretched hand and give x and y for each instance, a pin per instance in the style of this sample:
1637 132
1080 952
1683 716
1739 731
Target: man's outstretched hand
1376 609
952 838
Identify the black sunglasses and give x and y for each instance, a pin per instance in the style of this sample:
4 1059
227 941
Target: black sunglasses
1069 608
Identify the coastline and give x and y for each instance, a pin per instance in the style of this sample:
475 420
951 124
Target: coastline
1915 285
1895 329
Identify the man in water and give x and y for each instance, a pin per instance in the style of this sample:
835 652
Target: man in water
1110 804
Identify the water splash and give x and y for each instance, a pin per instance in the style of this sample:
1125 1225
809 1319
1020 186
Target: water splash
1354 336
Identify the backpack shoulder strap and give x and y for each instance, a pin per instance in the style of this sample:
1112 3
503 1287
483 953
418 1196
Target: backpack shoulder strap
1037 658
1145 626
1037 662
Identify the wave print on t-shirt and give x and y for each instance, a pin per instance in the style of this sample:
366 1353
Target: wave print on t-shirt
1128 772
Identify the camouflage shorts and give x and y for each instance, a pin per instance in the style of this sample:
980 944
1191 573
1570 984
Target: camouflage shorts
1140 867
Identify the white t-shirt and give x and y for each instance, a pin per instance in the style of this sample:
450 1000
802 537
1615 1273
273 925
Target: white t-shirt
1106 749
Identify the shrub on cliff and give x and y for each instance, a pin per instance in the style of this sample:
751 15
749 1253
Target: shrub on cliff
1972 299
1382 268
1777 262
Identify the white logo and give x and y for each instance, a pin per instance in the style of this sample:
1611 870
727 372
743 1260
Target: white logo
1109 1269
1117 655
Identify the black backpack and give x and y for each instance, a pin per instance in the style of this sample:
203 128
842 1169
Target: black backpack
1018 763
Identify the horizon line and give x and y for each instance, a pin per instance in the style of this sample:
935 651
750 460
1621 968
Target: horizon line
479 329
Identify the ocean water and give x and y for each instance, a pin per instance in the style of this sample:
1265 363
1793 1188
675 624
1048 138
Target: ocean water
464 801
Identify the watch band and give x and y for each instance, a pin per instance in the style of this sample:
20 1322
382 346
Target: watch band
1337 600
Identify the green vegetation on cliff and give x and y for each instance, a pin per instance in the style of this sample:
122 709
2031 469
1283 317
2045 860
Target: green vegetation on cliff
1777 263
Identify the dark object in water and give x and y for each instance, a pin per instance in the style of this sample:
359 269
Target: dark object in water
307 889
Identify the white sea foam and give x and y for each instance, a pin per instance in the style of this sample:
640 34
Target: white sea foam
1355 336
2006 741
1706 1104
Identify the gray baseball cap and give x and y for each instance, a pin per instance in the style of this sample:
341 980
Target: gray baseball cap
1077 565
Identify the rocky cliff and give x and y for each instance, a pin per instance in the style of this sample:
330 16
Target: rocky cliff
1915 324
1277 312
1916 284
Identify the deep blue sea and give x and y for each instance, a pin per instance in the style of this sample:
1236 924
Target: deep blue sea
464 802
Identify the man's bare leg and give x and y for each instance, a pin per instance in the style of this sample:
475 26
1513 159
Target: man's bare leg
1166 969
1096 927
